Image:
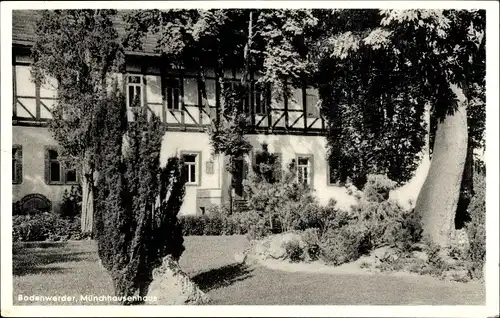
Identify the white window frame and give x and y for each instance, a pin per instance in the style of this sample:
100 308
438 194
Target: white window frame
136 86
193 165
300 172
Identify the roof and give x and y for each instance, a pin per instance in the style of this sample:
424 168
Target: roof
24 22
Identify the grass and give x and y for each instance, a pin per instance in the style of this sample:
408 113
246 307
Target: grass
57 269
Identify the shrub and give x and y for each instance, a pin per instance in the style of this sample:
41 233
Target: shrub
294 251
404 230
71 203
278 198
311 239
332 218
377 187
133 233
344 244
255 230
476 230
458 246
43 227
389 223
249 222
214 225
193 224
436 265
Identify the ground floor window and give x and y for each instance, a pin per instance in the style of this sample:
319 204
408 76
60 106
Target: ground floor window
55 171
191 167
304 169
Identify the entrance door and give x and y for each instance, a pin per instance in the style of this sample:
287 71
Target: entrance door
237 179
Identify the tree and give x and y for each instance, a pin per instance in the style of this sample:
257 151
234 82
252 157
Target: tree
377 71
137 200
441 52
80 49
266 43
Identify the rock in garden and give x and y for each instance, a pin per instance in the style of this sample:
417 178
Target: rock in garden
240 258
171 286
277 248
385 253
420 255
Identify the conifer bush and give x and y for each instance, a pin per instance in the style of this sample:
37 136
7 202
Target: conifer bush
137 200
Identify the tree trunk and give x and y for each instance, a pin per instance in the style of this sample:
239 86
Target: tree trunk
438 198
87 218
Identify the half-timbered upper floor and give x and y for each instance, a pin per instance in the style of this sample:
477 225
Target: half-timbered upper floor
174 95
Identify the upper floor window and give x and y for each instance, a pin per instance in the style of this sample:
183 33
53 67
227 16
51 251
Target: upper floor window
17 164
191 166
173 94
55 170
304 170
134 91
262 98
233 89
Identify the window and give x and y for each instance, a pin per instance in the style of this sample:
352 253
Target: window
235 90
134 91
191 166
261 99
55 170
17 164
173 94
304 170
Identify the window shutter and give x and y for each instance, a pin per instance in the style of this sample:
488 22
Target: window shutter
47 166
19 165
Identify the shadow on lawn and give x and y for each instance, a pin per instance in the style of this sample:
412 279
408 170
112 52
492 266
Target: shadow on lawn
26 261
222 276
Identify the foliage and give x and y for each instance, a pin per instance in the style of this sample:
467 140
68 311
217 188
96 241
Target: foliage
311 239
330 217
81 50
377 188
389 223
291 203
476 228
193 224
137 200
436 264
404 230
267 166
249 223
294 251
344 244
271 43
375 114
71 203
227 135
45 227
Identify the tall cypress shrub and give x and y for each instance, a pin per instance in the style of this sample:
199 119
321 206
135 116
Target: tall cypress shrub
137 200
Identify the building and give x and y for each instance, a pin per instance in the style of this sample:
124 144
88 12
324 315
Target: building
292 127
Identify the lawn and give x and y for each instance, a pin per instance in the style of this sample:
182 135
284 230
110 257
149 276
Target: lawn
57 269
